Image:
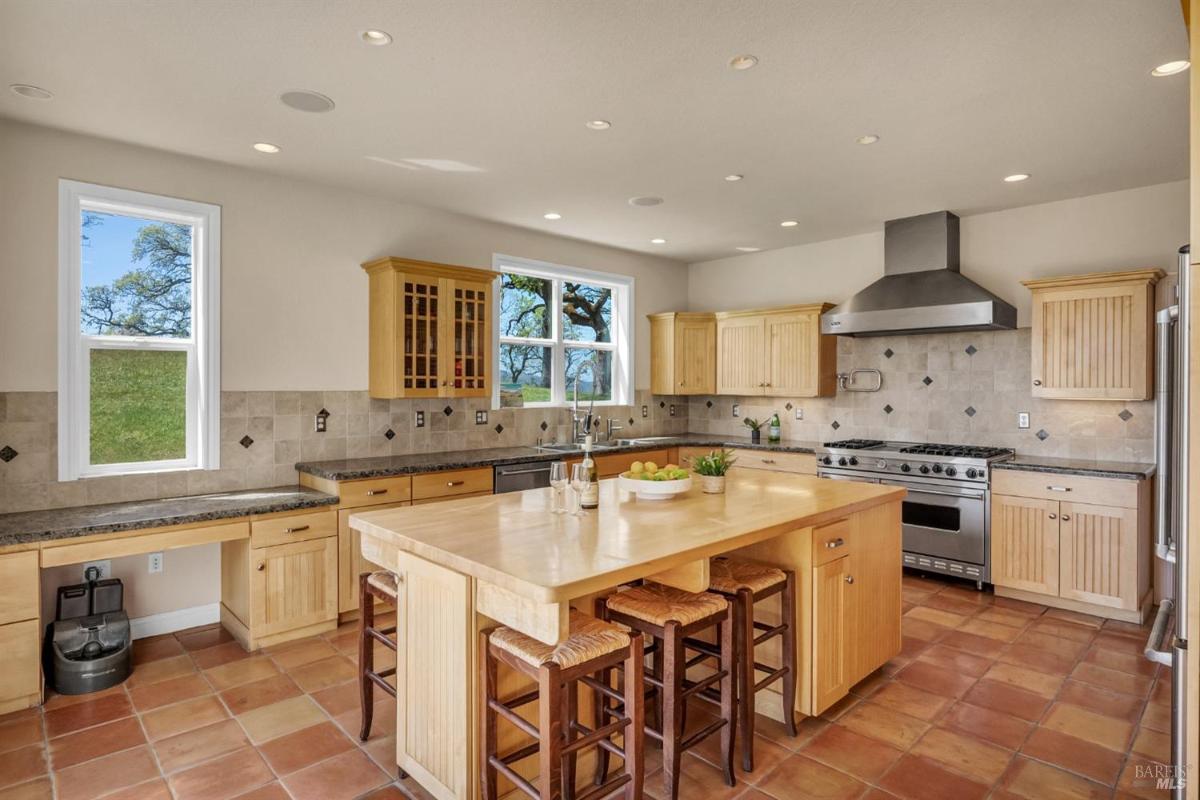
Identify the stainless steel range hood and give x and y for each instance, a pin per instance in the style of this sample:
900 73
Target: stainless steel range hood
921 290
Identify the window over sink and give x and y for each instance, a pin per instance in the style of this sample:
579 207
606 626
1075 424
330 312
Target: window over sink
139 350
557 324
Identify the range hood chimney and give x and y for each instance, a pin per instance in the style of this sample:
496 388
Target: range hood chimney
921 290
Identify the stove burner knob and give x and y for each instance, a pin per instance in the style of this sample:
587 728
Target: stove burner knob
827 460
972 473
842 462
853 461
905 468
937 467
924 469
881 464
951 472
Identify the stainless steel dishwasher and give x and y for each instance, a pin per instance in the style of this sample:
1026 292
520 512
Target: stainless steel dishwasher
518 477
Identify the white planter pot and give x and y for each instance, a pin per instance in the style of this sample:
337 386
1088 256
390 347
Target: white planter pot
712 484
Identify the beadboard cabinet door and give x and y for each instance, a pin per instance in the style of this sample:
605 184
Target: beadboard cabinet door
683 353
833 633
293 586
1098 554
741 367
1025 544
800 361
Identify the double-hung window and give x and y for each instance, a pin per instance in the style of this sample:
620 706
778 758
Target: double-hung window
139 347
562 327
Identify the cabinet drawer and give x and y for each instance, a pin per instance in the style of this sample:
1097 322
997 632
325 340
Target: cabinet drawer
293 528
19 586
830 541
372 491
21 679
1072 488
615 463
451 483
801 463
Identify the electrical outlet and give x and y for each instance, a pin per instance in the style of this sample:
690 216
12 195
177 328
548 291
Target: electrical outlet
1023 420
672 409
645 411
105 568
156 563
737 410
322 421
420 420
481 418
799 413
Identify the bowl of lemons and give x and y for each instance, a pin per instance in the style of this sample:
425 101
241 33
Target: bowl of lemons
649 481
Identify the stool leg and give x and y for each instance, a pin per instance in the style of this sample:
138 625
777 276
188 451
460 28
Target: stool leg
656 671
550 700
743 625
673 669
491 691
635 736
600 702
366 656
725 635
788 607
570 713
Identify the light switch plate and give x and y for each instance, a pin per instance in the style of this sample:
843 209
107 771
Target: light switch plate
799 413
1023 420
737 410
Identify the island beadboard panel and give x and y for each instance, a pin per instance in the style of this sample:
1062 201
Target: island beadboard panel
263 434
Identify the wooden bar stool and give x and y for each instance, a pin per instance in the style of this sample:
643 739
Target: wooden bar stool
373 585
673 617
744 583
592 647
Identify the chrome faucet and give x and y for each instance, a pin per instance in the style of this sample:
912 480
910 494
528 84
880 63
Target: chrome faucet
576 436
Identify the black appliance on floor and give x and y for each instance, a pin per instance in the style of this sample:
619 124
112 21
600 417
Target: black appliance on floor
89 644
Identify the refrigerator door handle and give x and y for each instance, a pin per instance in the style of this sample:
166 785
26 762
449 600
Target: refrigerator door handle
1154 645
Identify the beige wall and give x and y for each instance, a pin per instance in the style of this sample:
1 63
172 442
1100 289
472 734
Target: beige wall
293 297
1120 230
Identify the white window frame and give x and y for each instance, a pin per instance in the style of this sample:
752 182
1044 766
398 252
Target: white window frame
203 399
621 346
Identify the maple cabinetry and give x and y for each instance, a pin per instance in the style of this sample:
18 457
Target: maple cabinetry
1093 336
776 352
430 329
20 631
683 353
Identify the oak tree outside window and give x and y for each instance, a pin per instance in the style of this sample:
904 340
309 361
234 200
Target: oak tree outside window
556 323
138 332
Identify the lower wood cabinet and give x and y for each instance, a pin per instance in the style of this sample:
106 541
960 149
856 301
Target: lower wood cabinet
1098 555
1025 543
20 633
833 632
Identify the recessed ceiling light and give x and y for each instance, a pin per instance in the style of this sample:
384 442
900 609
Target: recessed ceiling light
266 147
743 62
734 177
1170 68
788 223
32 92
598 124
552 215
749 249
376 37
658 241
645 200
870 138
1017 178
305 100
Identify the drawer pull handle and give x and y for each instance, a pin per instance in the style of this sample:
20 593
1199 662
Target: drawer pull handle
1066 517
297 529
455 483
1059 488
849 579
1054 516
1037 383
833 544
261 566
373 492
768 461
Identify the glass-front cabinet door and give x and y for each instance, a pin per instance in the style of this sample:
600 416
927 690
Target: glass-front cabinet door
422 308
468 369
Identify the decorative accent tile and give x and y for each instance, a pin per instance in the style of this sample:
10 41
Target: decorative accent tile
971 350
888 353
1125 414
888 409
7 454
447 411
389 434
969 411
662 403
245 441
927 380
543 426
499 428
789 406
481 417
1042 434
631 420
708 404
836 425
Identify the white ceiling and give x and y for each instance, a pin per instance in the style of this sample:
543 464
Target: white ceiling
962 92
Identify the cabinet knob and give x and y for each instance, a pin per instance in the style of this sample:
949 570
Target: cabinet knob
1066 517
261 566
1037 382
835 543
455 483
1054 516
849 579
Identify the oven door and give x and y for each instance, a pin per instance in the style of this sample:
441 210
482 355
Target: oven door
945 522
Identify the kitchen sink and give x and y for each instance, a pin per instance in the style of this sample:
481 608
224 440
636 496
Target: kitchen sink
644 440
567 447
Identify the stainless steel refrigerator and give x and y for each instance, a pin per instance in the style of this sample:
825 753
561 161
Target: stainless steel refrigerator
1168 642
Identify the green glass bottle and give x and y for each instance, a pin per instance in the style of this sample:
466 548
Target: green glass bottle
773 431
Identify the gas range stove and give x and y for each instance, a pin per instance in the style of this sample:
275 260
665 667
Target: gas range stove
878 458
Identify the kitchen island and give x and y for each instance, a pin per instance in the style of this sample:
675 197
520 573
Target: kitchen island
467 565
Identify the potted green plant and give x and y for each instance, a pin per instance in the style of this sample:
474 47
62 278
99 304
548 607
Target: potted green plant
755 429
710 470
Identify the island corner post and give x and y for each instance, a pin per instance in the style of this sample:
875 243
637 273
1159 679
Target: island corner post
469 565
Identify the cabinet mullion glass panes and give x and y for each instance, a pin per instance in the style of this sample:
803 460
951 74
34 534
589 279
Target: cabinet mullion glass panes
420 335
470 325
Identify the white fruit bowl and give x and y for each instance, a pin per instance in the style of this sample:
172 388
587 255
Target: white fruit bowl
654 490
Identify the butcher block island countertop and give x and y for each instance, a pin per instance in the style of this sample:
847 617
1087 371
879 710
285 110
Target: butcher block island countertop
465 566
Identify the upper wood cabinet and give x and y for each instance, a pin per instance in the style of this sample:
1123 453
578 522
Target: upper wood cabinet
430 329
777 352
1093 336
683 353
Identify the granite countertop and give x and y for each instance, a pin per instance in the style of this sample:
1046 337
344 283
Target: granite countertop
1079 466
385 466
64 523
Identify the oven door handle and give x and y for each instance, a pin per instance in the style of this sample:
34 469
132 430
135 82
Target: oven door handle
922 490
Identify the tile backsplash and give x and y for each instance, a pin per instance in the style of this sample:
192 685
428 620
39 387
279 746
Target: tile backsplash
957 388
263 434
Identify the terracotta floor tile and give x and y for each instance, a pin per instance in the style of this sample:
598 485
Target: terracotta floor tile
1111 679
1032 609
1065 630
204 637
338 699
773 731
1075 755
170 691
1102 701
344 642
1140 778
107 774
345 776
150 790
947 619
26 763
1051 644
272 791
1152 744
277 719
1074 617
382 751
956 661
801 778
835 711
86 714
843 749
935 679
913 595
153 648
1007 699
304 651
1119 642
1024 655
1031 680
1090 726
944 601
990 630
188 715
1003 616
55 701
226 653
967 592
1036 781
112 737
222 778
185 749
324 673
911 646
1121 661
922 629
984 723
971 757
916 778
882 723
870 684
160 670
1156 718
20 732
1161 693
249 696
304 747
235 673
972 643
911 701
767 755
39 789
